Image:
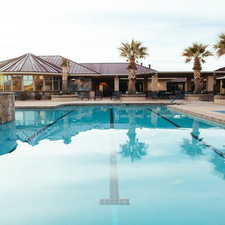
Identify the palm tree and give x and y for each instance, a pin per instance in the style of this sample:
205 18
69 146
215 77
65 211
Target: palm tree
197 52
220 45
132 52
65 62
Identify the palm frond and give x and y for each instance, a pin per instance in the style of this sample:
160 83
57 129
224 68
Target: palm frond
134 49
197 50
220 45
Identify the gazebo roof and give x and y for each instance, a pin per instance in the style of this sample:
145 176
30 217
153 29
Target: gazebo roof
74 68
28 63
116 68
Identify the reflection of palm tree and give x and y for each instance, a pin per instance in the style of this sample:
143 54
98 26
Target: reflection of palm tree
194 146
133 148
219 165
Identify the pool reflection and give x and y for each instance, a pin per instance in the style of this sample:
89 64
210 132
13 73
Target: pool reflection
193 146
126 164
8 138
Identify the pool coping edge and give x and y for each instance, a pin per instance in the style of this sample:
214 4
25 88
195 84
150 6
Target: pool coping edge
200 115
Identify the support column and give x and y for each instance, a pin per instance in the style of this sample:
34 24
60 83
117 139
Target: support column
65 79
7 107
93 88
65 73
44 86
34 79
210 83
116 84
188 84
154 83
145 84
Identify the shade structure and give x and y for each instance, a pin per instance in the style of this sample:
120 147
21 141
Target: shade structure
74 68
117 68
29 63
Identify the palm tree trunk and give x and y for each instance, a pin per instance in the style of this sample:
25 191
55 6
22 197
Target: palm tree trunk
197 81
197 75
131 81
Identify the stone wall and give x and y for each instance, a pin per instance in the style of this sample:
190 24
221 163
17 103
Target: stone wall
7 107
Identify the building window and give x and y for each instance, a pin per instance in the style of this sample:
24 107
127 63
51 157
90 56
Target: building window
7 83
48 83
223 83
57 83
17 83
80 84
28 83
53 83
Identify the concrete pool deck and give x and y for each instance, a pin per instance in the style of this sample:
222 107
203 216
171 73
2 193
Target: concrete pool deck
52 104
205 110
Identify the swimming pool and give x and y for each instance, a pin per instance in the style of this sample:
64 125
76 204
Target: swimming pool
221 111
111 165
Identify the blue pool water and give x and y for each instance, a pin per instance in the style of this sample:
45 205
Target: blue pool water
120 165
220 111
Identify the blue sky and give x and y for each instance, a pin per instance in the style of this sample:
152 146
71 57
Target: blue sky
91 31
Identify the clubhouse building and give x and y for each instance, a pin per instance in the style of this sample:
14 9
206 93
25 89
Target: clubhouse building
40 77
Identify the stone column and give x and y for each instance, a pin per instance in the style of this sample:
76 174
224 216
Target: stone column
154 83
44 86
188 84
34 87
65 79
7 107
210 83
116 84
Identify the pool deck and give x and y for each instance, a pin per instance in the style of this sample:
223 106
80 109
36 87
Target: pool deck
205 110
53 104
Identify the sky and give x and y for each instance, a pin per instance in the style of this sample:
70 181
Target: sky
92 30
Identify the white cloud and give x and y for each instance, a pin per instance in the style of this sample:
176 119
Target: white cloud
92 30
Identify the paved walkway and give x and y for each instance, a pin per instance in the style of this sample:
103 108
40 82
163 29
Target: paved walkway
53 104
205 110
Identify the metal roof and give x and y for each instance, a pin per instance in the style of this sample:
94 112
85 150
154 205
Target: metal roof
74 68
221 69
116 68
28 63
